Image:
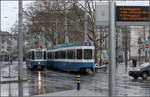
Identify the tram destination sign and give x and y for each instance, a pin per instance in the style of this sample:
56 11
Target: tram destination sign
134 15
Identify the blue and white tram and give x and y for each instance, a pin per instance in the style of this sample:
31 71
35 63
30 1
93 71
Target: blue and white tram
36 58
71 57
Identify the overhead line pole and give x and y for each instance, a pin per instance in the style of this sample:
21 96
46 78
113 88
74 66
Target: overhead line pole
112 48
86 23
20 48
56 31
66 25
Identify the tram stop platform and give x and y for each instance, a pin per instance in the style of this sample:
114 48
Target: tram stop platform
82 92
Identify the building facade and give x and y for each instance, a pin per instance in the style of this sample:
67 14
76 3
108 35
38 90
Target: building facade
7 42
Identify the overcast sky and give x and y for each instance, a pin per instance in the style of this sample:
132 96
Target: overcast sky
9 11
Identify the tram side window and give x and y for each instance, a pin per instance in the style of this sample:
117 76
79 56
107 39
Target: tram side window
63 54
59 55
32 55
87 54
56 55
79 54
70 54
50 55
44 54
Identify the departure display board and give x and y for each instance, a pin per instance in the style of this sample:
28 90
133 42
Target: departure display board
132 13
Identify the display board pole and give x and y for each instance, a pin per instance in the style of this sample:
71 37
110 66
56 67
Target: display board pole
20 48
112 48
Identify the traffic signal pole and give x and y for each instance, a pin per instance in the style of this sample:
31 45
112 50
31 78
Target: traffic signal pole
112 48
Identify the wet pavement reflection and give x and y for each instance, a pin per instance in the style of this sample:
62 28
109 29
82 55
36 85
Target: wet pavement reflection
41 82
54 81
49 81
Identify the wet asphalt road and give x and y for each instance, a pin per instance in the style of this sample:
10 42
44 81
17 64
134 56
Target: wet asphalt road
48 81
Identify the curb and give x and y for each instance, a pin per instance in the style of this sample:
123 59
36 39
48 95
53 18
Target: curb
11 81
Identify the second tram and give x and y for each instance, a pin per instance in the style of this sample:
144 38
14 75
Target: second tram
72 57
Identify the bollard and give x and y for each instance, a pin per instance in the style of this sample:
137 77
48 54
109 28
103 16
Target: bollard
78 82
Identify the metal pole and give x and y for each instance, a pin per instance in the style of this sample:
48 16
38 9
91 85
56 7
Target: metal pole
86 23
112 48
9 55
9 89
43 39
149 28
20 48
129 43
66 24
149 38
117 32
56 31
126 47
145 43
0 52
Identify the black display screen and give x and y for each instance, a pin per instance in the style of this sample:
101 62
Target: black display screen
132 13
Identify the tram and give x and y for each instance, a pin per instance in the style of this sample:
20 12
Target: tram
36 58
72 57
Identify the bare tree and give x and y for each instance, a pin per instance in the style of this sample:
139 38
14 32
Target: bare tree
41 16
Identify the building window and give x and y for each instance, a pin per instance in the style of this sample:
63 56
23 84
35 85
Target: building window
3 41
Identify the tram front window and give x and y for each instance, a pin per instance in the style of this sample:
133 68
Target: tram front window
87 54
39 55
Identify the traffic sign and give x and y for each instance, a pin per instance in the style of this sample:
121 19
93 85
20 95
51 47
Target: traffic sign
146 45
102 14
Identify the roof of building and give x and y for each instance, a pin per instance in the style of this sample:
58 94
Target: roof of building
4 33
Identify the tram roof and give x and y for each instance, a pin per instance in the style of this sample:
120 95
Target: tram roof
72 44
34 49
